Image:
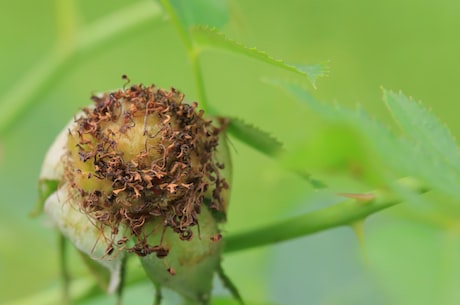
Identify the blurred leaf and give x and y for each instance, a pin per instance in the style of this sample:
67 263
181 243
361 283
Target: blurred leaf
423 128
214 13
434 155
314 71
266 144
344 143
211 38
337 148
395 156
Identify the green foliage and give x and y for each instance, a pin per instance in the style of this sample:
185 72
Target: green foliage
431 143
254 137
206 37
364 163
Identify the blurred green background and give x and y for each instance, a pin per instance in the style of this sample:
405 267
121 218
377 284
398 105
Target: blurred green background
407 45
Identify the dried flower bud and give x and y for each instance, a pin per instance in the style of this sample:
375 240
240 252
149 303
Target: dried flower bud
140 172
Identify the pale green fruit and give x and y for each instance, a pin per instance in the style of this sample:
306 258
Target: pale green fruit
190 265
86 237
142 172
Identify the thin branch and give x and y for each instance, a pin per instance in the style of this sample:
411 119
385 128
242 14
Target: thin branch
65 276
199 80
192 51
177 24
354 208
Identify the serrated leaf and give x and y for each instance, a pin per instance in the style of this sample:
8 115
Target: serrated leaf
206 37
265 143
343 144
313 71
423 128
213 13
254 137
396 155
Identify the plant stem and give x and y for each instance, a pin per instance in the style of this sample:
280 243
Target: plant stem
345 213
192 51
177 24
65 277
199 80
354 208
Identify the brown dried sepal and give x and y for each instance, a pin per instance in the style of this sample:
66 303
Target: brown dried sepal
140 155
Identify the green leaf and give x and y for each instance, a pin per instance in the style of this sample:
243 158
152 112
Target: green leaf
432 149
345 143
423 128
393 156
214 13
313 71
207 37
254 137
265 143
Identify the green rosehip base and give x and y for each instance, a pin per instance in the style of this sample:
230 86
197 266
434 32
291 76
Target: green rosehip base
142 172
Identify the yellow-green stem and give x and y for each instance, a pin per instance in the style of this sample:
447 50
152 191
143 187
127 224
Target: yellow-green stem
345 213
192 51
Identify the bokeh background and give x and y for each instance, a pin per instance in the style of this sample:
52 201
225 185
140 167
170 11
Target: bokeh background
410 45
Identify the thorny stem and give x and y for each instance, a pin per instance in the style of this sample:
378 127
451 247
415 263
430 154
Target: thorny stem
345 213
52 67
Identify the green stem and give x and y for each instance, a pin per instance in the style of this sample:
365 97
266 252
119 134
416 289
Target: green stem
51 68
65 276
177 24
192 51
345 213
199 80
122 284
342 214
